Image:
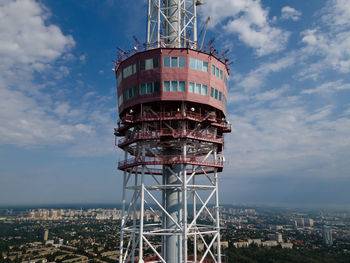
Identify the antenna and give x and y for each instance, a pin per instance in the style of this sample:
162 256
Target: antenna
137 43
205 31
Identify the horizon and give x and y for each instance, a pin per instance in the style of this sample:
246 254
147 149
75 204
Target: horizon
288 101
311 207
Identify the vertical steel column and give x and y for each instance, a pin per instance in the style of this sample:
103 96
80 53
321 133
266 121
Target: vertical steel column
178 39
134 220
148 29
173 17
195 24
217 207
142 215
183 23
159 26
173 205
123 213
184 192
194 216
164 217
142 197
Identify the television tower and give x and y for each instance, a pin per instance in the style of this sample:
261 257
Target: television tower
172 109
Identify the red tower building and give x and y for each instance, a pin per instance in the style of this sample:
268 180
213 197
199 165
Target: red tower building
172 109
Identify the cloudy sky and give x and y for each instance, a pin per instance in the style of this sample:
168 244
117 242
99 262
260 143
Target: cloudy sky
289 99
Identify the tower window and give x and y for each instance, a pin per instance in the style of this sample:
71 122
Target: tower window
198 65
149 64
174 62
148 88
174 86
197 88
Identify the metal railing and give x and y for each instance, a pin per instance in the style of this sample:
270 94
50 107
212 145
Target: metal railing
146 135
171 160
171 115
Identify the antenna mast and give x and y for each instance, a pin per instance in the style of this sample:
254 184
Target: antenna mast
172 23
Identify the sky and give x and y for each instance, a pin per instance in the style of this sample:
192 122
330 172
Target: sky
289 99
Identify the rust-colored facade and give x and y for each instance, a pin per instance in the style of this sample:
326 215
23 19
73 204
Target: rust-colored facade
162 73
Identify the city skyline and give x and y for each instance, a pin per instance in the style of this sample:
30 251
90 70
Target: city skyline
288 103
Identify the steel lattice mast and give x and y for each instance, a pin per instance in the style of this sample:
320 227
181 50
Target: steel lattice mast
172 23
172 105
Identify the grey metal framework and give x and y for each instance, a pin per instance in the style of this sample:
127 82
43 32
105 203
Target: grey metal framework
174 164
172 23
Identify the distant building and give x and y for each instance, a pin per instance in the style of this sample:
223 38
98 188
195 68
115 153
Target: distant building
241 244
278 227
278 237
309 222
49 242
58 241
287 245
224 244
270 243
46 235
256 242
327 235
300 222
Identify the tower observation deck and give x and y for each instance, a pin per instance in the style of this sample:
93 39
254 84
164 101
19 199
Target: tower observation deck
172 109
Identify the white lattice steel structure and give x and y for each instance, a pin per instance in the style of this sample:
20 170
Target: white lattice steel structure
172 121
193 172
172 23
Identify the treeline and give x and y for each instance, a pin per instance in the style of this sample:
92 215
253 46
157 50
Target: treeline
278 255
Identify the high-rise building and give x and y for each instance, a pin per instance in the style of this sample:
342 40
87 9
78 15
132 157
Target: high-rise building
327 235
278 237
300 222
172 108
46 235
309 222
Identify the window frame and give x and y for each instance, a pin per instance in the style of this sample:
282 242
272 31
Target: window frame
166 62
182 88
207 66
174 85
174 62
166 88
193 63
204 87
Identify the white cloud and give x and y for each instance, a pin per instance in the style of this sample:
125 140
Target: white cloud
329 42
32 114
328 87
333 47
289 13
337 14
288 140
255 79
271 94
27 45
26 122
250 21
24 36
320 114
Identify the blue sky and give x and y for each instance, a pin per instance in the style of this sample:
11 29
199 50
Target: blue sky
288 101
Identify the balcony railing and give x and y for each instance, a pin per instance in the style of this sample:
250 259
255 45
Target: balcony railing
171 160
148 135
173 115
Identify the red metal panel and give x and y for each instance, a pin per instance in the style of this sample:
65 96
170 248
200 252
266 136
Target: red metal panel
172 74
